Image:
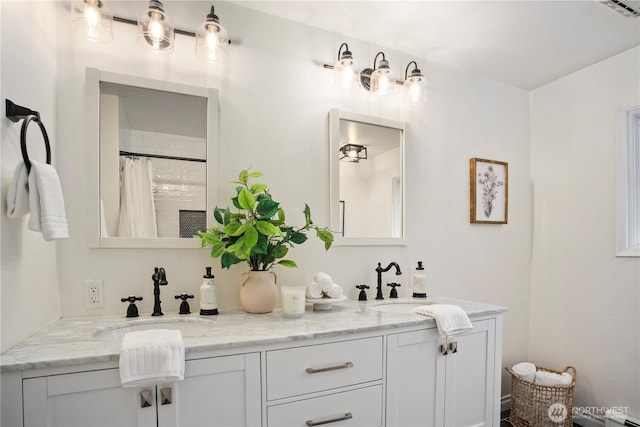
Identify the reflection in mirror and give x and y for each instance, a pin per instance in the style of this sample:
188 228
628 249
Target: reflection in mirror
156 156
367 179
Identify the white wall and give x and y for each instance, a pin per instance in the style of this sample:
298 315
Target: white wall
584 300
274 99
30 297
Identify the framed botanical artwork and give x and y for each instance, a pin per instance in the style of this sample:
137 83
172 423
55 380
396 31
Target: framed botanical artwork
489 181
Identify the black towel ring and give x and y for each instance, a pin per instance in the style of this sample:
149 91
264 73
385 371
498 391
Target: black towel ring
23 141
15 113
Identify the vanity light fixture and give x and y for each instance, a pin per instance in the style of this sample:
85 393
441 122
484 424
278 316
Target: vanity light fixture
154 29
381 80
212 40
415 86
92 19
353 152
344 72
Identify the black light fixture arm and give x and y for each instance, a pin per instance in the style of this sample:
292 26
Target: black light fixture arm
406 71
346 50
375 60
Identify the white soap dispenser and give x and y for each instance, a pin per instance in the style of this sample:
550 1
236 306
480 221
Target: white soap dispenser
418 282
208 298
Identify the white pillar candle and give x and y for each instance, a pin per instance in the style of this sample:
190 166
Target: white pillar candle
293 300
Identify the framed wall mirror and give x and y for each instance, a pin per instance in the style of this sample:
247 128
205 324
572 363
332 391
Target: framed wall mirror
367 175
153 157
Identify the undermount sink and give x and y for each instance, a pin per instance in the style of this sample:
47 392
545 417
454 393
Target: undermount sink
397 306
189 328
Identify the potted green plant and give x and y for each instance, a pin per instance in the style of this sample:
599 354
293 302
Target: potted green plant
256 233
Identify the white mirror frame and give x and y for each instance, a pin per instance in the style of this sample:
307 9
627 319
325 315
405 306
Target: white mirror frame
335 116
92 123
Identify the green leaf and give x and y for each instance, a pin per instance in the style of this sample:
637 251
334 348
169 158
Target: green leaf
246 200
255 174
307 216
208 238
258 188
227 215
217 214
326 236
267 229
237 245
251 237
287 263
217 250
298 238
235 202
232 228
261 245
267 208
280 251
244 176
228 259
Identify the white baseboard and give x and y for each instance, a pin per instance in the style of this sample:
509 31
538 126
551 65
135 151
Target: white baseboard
505 403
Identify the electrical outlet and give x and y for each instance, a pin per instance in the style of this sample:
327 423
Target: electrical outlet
93 293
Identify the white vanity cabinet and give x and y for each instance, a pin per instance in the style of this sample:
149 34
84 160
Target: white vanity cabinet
337 383
215 391
436 382
353 366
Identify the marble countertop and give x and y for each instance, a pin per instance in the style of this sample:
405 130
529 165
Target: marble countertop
76 340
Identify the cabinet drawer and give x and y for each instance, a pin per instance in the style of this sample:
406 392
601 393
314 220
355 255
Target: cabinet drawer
362 407
301 370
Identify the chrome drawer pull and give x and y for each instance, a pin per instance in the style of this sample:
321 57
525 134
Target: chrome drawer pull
330 368
346 416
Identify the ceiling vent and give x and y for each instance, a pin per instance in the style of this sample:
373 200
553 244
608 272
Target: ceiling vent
630 9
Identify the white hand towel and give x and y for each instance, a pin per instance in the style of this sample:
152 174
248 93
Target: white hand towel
46 203
324 280
313 291
551 378
151 357
525 370
451 319
18 195
334 292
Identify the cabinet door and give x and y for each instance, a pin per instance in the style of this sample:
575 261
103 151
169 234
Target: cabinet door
469 397
222 391
357 408
85 399
415 379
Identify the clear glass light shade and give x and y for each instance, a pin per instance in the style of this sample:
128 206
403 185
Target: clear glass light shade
345 75
383 81
155 32
211 42
415 90
91 19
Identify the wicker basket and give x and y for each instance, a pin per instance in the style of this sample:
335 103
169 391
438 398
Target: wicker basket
536 405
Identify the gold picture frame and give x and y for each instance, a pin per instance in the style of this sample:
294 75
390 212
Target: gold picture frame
489 180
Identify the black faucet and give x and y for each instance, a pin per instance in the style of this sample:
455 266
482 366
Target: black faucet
381 270
159 278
